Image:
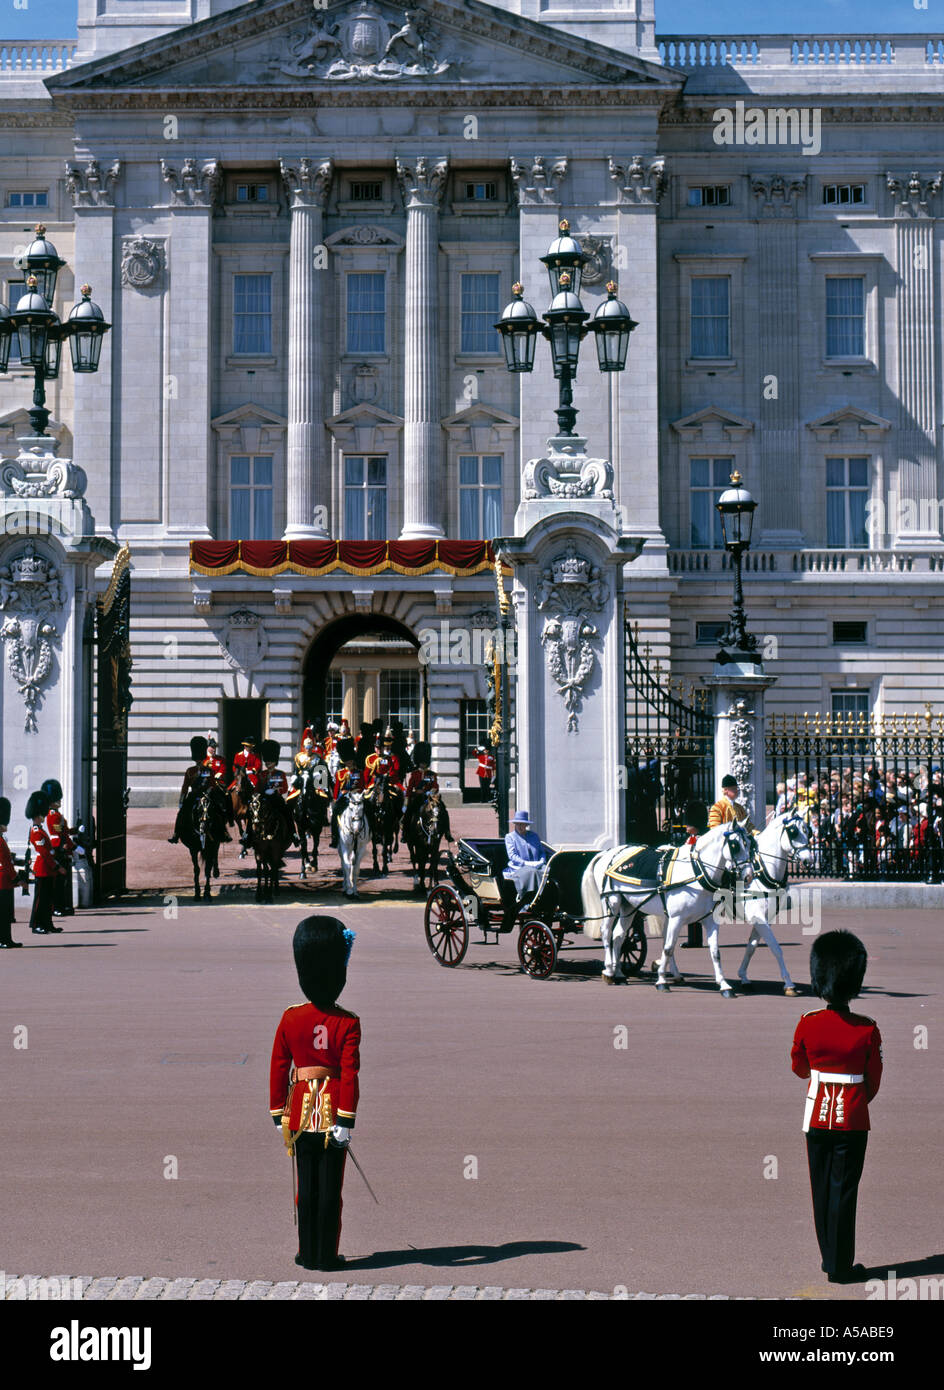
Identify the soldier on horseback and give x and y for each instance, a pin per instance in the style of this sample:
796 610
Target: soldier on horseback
197 778
348 778
421 781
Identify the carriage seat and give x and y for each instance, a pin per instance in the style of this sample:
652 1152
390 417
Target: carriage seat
492 851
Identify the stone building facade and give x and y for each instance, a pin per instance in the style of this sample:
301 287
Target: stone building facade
303 222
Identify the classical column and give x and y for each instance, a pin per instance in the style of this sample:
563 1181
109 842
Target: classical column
422 184
917 427
308 481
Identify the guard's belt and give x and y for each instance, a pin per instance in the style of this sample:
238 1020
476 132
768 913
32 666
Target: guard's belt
839 1078
831 1078
314 1073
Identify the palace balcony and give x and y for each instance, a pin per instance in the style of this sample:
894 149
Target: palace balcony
818 564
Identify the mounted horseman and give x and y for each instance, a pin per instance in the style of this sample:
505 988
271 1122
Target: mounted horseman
426 819
271 826
202 817
312 782
349 829
384 801
247 766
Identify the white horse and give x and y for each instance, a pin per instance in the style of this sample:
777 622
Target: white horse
786 837
699 872
353 838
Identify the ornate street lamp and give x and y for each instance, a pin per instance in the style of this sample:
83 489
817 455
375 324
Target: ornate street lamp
565 326
38 332
736 508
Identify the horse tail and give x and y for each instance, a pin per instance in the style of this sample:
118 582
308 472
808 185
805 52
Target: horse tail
590 885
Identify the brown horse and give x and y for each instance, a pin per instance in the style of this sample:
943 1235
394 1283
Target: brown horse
423 840
240 796
270 834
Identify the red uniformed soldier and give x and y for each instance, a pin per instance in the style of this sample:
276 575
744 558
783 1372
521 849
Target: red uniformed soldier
247 761
383 764
215 763
841 1053
45 867
62 848
9 878
198 751
485 771
421 781
313 1085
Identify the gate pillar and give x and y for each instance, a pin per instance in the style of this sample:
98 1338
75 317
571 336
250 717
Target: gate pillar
568 554
739 732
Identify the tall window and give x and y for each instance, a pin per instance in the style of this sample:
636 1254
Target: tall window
845 316
252 315
366 312
847 496
365 497
480 310
400 698
250 497
710 477
711 316
334 697
854 705
480 510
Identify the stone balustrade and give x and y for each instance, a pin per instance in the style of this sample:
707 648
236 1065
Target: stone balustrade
36 56
690 53
789 563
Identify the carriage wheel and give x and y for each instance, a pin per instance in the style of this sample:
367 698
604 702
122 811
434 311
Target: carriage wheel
537 950
634 948
447 931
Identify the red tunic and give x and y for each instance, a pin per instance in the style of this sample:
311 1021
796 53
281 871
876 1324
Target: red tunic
274 780
44 865
309 1037
377 764
59 836
218 767
252 764
421 783
839 1043
7 867
347 781
486 766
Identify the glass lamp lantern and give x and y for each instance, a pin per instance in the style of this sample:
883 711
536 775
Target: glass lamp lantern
518 327
32 319
6 336
736 507
564 257
612 326
565 319
43 260
86 329
54 338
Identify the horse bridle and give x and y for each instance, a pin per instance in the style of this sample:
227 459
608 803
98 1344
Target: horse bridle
703 876
790 826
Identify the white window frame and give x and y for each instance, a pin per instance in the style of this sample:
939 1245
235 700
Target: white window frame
864 265
846 455
362 353
496 351
479 489
251 489
694 266
363 488
239 358
712 458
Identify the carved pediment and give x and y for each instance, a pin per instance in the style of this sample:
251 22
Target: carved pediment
713 425
298 44
849 424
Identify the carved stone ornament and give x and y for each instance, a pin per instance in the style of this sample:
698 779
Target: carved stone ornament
567 472
244 643
36 474
571 588
742 716
362 45
535 183
912 196
142 262
640 182
422 183
777 196
365 383
599 268
91 186
308 184
29 587
365 236
193 185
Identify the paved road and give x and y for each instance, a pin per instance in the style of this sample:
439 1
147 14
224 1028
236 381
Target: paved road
512 1140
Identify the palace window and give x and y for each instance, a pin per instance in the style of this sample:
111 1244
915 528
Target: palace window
845 316
366 311
23 199
709 634
847 496
847 634
843 194
849 702
366 190
250 497
334 697
709 478
711 316
716 195
480 310
400 698
252 315
480 496
252 192
481 192
365 497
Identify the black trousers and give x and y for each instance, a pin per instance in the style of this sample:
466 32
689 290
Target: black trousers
320 1175
836 1158
7 917
41 915
62 892
485 787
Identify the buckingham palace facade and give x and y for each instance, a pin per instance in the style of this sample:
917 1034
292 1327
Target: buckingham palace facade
303 221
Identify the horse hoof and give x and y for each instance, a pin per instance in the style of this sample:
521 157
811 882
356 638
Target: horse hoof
744 984
662 988
791 993
608 979
727 994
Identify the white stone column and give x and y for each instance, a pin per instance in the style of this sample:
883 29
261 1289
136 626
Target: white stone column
422 184
307 474
739 733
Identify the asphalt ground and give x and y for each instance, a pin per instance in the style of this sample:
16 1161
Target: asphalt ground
518 1133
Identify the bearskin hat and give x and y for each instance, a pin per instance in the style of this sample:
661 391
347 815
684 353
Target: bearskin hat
37 805
347 749
270 750
422 753
198 748
321 946
837 966
51 789
5 811
696 814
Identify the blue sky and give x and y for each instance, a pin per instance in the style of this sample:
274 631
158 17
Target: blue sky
55 19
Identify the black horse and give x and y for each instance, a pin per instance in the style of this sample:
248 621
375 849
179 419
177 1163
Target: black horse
423 840
310 809
384 804
203 830
270 834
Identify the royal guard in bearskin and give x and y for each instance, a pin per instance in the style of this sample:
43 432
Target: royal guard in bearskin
62 848
45 866
215 763
198 751
272 779
841 1053
421 781
10 877
727 807
247 761
348 778
485 771
313 1086
385 763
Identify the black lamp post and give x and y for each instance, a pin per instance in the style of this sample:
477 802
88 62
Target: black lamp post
736 507
565 326
33 332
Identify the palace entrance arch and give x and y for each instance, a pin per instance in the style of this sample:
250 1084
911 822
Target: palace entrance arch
365 667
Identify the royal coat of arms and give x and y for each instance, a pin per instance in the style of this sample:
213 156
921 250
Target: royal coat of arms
363 45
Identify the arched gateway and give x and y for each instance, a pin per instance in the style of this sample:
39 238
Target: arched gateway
365 667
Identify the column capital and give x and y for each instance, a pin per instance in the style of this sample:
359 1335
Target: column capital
422 182
911 196
307 184
641 181
194 184
92 186
535 184
778 195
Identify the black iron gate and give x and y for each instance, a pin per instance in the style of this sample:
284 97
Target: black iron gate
113 701
669 747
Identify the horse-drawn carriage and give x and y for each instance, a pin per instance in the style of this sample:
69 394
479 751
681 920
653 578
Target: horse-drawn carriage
474 898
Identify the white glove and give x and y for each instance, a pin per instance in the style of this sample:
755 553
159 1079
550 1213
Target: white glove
340 1136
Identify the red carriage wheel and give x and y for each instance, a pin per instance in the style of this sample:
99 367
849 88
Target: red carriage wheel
446 928
537 950
635 947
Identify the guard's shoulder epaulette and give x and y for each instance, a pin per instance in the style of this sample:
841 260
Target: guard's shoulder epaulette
347 1013
813 1012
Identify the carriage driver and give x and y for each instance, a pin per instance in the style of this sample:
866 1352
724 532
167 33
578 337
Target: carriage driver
727 807
526 864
